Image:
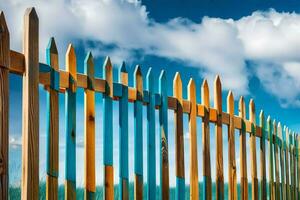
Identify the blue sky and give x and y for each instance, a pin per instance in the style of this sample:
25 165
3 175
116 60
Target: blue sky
253 45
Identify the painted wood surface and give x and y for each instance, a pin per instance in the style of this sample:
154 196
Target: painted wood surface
30 119
219 139
179 140
271 166
70 120
164 149
253 150
232 174
4 106
243 150
207 185
263 171
123 135
298 165
292 164
138 134
52 131
108 131
151 158
89 131
276 155
282 165
287 164
194 182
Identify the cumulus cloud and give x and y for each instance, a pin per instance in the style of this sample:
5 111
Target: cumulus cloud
268 39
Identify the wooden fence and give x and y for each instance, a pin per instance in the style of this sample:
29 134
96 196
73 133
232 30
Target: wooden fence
282 143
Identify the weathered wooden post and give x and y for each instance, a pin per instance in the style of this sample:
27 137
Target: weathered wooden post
4 105
263 176
30 123
52 122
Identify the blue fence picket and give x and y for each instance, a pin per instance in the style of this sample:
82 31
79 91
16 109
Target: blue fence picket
123 134
151 160
138 134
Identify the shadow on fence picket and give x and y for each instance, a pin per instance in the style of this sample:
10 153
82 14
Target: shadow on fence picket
282 143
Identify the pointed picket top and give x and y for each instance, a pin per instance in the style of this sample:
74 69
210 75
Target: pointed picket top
192 89
3 24
123 67
252 111
262 124
108 76
51 47
89 65
205 93
71 61
274 127
31 13
162 83
230 103
123 75
4 42
242 108
177 87
149 79
279 130
218 94
138 82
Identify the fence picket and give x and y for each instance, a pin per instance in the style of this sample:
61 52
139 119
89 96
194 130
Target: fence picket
179 140
123 134
207 190
4 106
70 113
163 121
271 167
298 166
263 176
219 139
89 130
252 119
292 189
282 167
232 176
277 189
151 158
287 167
243 150
30 123
138 134
108 131
194 191
52 123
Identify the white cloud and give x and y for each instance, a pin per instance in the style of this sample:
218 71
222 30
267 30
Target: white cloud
216 46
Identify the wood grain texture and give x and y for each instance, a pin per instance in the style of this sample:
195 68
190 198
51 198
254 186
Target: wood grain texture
271 166
4 106
243 150
292 165
70 120
108 130
179 140
163 122
282 165
89 130
207 185
194 182
252 119
30 120
52 127
138 134
276 155
151 157
232 175
219 139
123 135
263 176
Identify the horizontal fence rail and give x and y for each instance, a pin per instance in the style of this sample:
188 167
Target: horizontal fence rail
282 144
